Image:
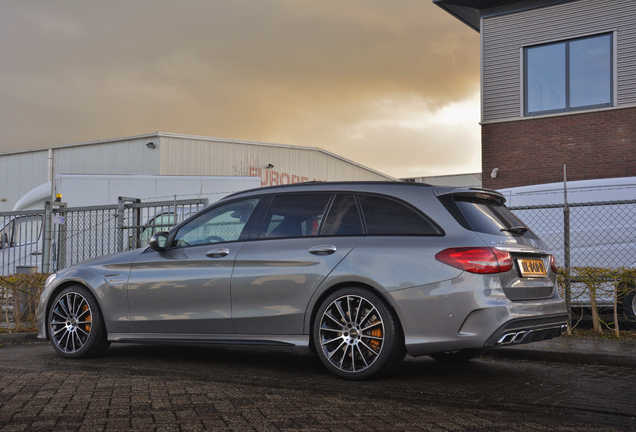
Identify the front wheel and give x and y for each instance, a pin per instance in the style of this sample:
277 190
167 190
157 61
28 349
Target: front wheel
355 334
75 324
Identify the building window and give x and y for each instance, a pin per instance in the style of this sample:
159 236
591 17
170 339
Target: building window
569 75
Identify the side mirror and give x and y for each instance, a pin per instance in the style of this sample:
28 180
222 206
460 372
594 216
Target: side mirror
159 241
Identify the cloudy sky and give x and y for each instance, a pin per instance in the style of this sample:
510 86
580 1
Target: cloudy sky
391 84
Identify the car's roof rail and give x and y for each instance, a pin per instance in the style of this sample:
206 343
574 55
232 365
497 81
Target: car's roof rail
326 183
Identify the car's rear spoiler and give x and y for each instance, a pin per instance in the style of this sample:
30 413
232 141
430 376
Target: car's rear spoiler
480 193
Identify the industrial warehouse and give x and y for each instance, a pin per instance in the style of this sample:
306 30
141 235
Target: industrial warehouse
180 165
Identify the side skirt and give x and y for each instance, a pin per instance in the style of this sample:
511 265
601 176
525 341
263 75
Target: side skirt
291 341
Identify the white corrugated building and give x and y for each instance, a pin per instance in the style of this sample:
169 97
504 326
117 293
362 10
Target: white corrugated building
168 154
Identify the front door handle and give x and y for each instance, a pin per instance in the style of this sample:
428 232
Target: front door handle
322 250
217 253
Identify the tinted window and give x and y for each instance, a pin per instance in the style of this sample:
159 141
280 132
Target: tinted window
385 216
569 75
294 215
482 215
221 224
343 218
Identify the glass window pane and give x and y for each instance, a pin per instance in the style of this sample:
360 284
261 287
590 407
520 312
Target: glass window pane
482 215
295 215
545 69
222 224
388 217
6 235
591 71
27 230
343 218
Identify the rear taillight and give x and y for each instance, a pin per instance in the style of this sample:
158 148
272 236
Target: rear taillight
553 265
483 260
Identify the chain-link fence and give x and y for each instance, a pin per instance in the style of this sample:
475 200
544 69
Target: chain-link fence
593 234
60 236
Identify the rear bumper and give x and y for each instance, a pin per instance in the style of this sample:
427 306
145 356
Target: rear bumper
526 330
469 313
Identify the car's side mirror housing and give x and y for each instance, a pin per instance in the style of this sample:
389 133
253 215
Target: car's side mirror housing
159 241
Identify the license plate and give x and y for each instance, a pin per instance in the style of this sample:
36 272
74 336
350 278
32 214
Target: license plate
532 267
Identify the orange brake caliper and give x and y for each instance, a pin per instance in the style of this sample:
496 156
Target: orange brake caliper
88 318
374 343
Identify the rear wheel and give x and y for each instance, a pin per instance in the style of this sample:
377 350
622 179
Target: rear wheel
460 356
75 324
356 335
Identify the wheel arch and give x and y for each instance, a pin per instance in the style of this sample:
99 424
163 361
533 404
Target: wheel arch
350 284
65 284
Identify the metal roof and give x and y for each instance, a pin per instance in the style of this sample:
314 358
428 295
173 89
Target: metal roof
159 134
471 11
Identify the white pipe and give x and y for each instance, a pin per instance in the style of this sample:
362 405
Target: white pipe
52 175
37 195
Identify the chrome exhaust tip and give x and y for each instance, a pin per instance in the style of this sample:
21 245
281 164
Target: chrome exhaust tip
506 339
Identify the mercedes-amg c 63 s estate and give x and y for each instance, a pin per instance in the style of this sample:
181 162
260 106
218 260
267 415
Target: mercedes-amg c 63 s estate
359 272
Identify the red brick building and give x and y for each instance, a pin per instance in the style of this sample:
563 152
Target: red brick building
558 86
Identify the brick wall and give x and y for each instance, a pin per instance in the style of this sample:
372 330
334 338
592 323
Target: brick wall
594 145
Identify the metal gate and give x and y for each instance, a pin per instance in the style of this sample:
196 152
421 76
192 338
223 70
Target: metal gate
60 236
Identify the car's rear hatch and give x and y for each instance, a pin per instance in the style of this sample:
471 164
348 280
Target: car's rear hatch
483 212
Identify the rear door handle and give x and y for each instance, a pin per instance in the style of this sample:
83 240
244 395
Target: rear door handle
322 250
217 253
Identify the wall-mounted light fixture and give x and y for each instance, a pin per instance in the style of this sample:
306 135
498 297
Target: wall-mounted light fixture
269 166
494 173
151 145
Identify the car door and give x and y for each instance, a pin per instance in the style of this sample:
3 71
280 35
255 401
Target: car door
186 288
297 240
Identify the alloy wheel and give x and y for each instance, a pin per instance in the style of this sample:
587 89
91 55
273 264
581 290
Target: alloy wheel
351 333
70 322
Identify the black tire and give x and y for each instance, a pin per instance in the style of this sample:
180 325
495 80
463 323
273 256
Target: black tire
390 352
461 356
629 306
90 317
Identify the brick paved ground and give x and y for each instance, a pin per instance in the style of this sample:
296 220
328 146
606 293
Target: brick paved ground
210 388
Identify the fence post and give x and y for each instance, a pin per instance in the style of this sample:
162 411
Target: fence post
61 237
120 223
46 237
566 248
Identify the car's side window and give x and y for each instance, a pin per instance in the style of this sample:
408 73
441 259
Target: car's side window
294 215
343 218
27 230
221 224
385 216
6 236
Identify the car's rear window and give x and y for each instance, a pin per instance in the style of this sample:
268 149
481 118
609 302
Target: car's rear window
482 215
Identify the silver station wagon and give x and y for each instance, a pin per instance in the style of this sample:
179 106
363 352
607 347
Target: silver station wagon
361 273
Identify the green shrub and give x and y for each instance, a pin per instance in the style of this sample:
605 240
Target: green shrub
19 297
